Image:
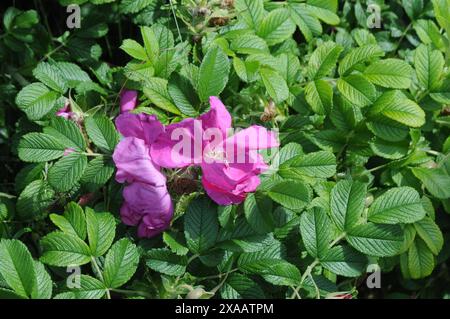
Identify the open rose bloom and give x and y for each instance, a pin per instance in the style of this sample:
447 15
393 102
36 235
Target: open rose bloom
230 163
147 203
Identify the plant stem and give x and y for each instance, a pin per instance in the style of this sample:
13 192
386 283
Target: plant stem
295 293
422 95
132 292
315 286
217 276
192 258
95 154
97 269
311 267
5 195
402 37
377 168
216 288
431 152
372 170
17 76
176 21
53 51
305 274
44 14
338 239
188 262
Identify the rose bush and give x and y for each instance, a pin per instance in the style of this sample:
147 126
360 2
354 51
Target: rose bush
225 149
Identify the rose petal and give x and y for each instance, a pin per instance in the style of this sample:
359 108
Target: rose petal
253 138
147 199
175 147
182 143
128 100
143 126
133 163
153 225
217 117
222 196
129 217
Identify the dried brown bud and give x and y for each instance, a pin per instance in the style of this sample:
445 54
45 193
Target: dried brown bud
183 185
227 4
270 111
218 21
203 11
197 38
85 199
265 118
446 111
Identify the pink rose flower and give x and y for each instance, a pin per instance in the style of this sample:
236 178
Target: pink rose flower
147 203
128 100
147 206
66 112
230 165
143 126
133 163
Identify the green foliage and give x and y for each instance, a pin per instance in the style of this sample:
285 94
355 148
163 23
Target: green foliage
362 175
213 73
121 262
397 205
200 225
17 267
376 239
316 232
68 247
347 201
39 147
102 132
67 171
